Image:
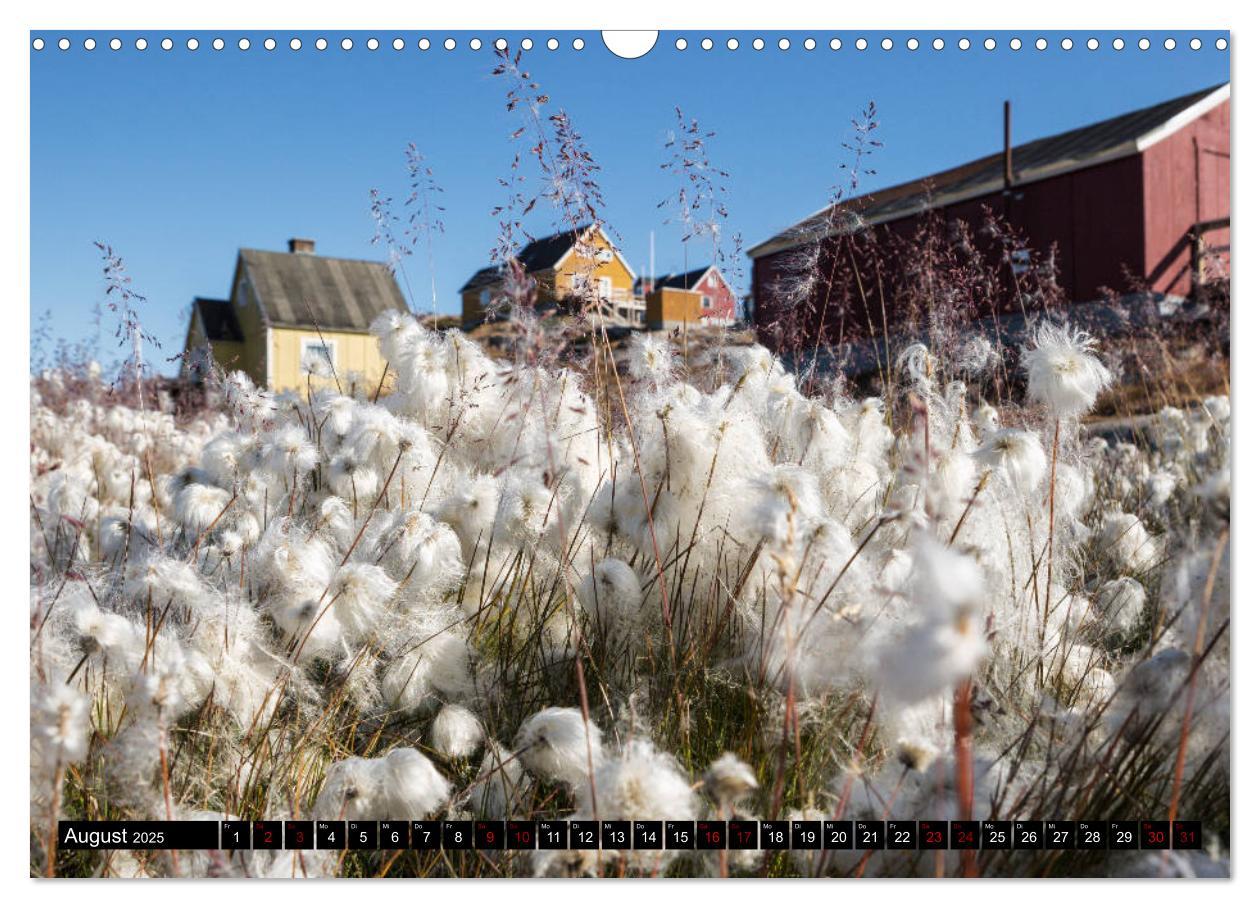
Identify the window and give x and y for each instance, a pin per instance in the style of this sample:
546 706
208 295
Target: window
485 298
319 357
706 302
605 288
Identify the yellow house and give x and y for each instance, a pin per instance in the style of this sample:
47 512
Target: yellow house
566 268
293 313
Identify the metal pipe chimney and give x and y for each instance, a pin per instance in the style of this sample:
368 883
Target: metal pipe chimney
1008 171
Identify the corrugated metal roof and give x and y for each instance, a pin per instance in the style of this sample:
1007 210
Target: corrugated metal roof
315 290
219 320
1039 159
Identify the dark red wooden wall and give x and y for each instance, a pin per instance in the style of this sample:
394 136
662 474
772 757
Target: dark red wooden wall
1114 225
1186 181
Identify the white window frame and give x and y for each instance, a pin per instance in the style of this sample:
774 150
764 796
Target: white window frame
605 287
706 301
328 345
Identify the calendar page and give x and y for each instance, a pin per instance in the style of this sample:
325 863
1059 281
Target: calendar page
707 453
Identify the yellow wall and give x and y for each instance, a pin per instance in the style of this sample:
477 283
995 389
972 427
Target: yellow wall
354 353
573 265
471 310
555 284
667 306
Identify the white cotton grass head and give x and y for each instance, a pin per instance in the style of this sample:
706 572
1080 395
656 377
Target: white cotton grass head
470 510
333 412
947 642
1160 487
930 659
398 333
424 553
310 625
353 479
287 452
1017 454
1064 374
918 365
986 419
527 511
977 355
1124 538
786 503
352 790
60 722
1217 407
162 581
556 744
945 583
131 534
650 358
1122 602
316 364
456 732
729 780
289 558
639 783
198 507
950 484
117 637
360 594
411 785
611 594
437 664
155 693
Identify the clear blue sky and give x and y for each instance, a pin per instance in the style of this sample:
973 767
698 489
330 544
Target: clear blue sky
178 158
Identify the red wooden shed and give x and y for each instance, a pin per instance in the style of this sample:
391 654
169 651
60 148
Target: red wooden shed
1139 196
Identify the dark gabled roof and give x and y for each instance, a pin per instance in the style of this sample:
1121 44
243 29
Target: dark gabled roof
305 290
486 277
537 255
684 281
545 252
1062 153
218 319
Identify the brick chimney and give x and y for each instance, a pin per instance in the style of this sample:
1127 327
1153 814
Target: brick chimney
302 246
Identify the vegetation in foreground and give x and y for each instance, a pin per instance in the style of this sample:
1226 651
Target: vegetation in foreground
503 591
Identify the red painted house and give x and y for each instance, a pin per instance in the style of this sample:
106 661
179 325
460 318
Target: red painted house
699 296
1140 197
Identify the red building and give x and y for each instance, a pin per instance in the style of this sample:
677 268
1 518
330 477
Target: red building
1141 198
698 296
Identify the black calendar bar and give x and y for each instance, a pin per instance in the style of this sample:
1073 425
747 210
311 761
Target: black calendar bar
626 835
84 835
